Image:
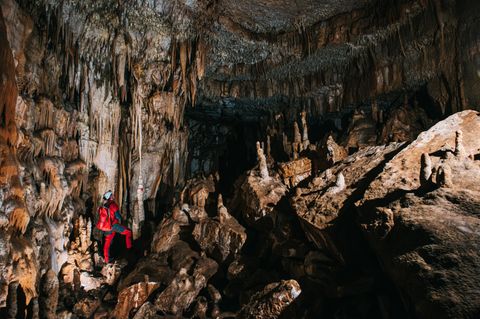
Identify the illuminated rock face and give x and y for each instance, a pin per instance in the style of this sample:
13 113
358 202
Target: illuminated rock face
305 117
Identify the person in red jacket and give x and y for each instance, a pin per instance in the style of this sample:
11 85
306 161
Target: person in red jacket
110 223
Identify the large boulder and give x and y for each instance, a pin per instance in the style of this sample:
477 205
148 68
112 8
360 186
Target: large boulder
256 197
184 288
271 301
221 236
421 217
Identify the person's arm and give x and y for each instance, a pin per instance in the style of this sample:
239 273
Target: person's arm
114 207
118 216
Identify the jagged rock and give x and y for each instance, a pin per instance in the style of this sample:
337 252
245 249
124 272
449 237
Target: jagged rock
101 95
271 301
196 213
197 190
404 124
379 222
48 298
184 288
182 256
133 297
146 311
166 236
201 307
361 132
295 171
257 197
220 237
180 215
90 282
148 270
327 195
402 172
430 250
111 272
86 307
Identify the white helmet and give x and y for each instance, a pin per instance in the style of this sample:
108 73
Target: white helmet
107 195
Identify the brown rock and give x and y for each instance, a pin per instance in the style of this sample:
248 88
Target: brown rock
166 236
222 237
86 307
257 197
271 301
295 171
319 205
133 297
146 311
184 288
426 239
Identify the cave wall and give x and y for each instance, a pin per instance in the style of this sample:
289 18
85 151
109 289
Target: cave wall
91 99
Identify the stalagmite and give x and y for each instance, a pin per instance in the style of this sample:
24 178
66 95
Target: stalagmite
305 140
262 162
444 176
35 309
339 184
48 300
297 140
425 170
222 211
12 300
459 149
269 147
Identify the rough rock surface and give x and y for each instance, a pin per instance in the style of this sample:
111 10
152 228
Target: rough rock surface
429 237
424 233
258 196
271 300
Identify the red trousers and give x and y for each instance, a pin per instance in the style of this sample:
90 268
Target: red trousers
122 230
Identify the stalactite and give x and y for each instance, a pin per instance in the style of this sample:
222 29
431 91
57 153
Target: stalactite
183 65
49 141
201 59
120 65
45 114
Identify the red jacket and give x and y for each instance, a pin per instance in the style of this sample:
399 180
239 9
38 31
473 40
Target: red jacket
108 215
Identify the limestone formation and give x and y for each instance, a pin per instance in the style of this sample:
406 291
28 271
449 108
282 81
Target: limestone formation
49 295
426 170
444 175
459 149
271 300
339 184
262 162
297 145
305 141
